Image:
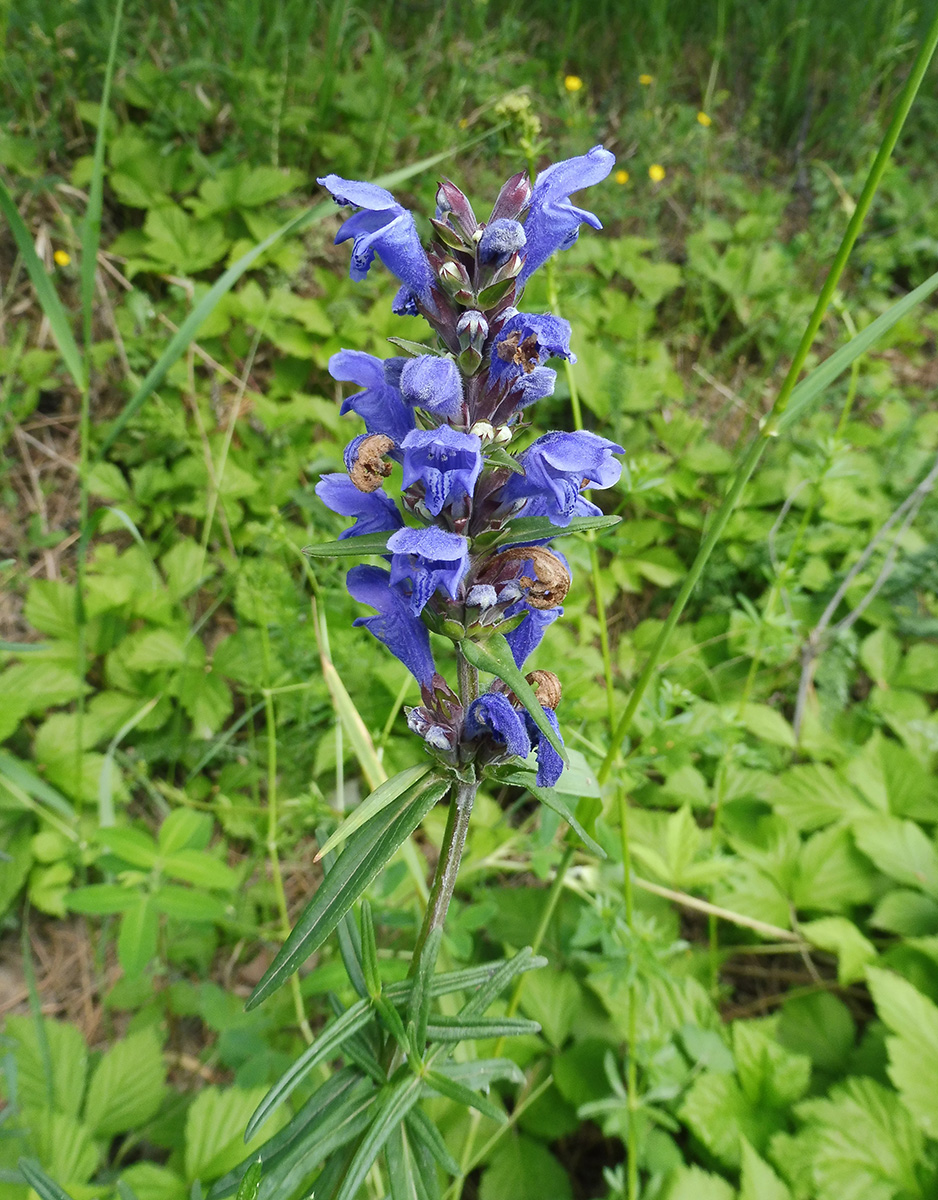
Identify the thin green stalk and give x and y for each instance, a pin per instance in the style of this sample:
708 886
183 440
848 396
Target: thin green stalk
553 898
631 1070
273 852
770 426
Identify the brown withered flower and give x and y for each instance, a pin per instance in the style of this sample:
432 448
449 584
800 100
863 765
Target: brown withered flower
371 465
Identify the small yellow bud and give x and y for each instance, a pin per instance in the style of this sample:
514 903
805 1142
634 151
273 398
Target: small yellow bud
62 258
656 172
622 176
573 83
646 80
703 119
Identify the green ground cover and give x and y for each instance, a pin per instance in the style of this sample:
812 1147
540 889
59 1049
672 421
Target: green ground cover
742 978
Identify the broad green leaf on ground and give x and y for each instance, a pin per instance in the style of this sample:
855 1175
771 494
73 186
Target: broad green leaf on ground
759 1181
552 998
770 1075
51 1063
863 1144
913 1049
215 1126
840 936
901 850
693 1183
524 1170
364 854
813 795
126 1089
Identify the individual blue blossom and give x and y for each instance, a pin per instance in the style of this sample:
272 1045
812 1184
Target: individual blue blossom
374 512
446 462
523 344
382 227
553 223
380 405
404 634
557 467
524 639
434 384
430 559
494 716
500 240
549 762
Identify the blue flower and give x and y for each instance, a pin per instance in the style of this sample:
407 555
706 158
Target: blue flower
375 512
553 223
382 227
524 639
380 405
430 558
549 762
524 343
434 384
500 240
556 469
445 461
395 625
492 715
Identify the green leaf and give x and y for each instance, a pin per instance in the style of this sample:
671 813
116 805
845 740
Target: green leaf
392 1108
214 1131
16 775
693 1183
913 1050
32 1172
530 529
812 796
452 1089
126 1089
498 456
523 1169
555 800
910 914
98 899
325 1047
67 1063
351 547
901 850
819 1025
198 867
759 1181
769 1074
495 657
460 1029
132 845
185 829
136 942
251 1183
841 937
379 799
185 904
553 998
863 1143
365 853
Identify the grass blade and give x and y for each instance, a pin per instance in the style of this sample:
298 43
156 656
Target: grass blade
48 297
365 853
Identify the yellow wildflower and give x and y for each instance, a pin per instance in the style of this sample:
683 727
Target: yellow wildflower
703 119
62 258
656 172
463 123
573 83
622 176
646 80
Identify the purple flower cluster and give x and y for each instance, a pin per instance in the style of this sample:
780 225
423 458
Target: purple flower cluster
447 418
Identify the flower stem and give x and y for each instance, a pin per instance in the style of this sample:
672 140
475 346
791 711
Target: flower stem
461 799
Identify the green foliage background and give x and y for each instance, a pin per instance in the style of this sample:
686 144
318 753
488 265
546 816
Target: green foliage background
170 749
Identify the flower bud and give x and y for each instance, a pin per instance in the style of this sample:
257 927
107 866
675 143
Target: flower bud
503 435
451 201
513 198
472 329
484 430
454 275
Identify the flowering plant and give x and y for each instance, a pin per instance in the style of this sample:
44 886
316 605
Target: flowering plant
469 560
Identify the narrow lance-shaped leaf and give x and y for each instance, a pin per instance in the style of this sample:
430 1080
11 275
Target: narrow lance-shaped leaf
457 1029
351 547
495 657
379 799
326 1046
365 853
529 529
554 800
454 1090
392 1109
